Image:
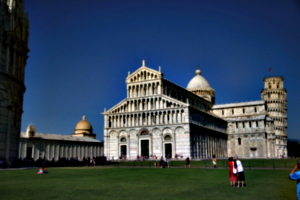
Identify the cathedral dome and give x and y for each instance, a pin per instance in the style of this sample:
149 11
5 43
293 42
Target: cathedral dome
83 126
198 82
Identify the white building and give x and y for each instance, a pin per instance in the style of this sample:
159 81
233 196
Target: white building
161 118
81 144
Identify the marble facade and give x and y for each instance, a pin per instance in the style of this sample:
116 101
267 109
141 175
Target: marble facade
160 118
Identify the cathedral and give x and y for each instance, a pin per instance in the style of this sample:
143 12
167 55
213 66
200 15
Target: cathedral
13 55
160 118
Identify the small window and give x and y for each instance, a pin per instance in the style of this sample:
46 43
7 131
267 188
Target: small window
250 124
255 110
168 137
123 139
239 141
243 124
222 112
144 133
236 125
232 111
244 110
256 123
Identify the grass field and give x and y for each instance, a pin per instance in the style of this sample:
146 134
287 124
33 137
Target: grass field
143 183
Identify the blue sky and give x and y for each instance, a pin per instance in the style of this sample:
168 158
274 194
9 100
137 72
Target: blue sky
81 52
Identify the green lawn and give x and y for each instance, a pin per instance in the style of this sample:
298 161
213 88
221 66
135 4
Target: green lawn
143 183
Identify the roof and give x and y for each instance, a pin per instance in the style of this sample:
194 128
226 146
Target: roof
47 136
242 104
198 82
246 118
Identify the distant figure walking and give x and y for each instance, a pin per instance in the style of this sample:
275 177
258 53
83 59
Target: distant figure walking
232 172
214 161
295 175
240 172
187 162
162 162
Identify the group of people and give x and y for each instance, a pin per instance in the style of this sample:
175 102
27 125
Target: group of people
162 162
236 172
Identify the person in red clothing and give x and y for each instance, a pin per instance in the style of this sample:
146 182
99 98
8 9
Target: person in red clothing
232 172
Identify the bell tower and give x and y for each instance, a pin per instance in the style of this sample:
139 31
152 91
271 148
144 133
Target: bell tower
275 96
14 27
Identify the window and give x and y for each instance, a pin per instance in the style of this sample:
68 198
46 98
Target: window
250 124
255 110
222 112
167 137
243 124
232 111
243 110
239 141
123 140
144 133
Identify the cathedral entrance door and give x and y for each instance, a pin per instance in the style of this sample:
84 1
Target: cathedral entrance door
123 150
145 148
168 150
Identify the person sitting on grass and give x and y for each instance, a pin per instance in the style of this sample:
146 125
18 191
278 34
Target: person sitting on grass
295 175
42 170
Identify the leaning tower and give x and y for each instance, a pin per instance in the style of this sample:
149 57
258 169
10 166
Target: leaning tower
13 55
275 97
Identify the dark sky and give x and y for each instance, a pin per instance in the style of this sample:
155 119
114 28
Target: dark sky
81 52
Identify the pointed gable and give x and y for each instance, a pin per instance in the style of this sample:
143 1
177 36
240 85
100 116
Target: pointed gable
143 74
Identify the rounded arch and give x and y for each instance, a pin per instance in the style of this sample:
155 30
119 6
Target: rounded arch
144 131
179 130
112 133
167 130
167 137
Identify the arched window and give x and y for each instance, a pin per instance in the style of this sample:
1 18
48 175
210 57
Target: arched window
239 141
144 133
167 137
123 139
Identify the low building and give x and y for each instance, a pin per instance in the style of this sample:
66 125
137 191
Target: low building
81 144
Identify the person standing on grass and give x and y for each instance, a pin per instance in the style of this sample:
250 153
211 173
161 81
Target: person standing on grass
187 162
162 162
214 161
232 172
295 175
240 172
